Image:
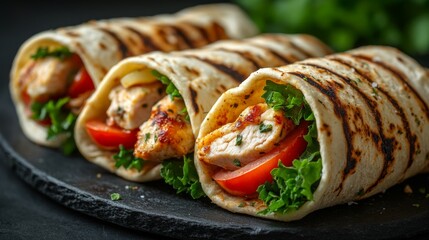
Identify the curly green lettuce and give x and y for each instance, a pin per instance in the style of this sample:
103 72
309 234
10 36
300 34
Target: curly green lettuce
292 186
125 158
62 121
183 176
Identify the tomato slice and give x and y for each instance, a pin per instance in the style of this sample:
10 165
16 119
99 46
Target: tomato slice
110 137
244 181
82 83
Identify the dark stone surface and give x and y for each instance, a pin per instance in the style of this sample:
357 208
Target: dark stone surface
152 208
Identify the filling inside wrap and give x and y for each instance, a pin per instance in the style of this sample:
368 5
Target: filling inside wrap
54 86
147 124
269 152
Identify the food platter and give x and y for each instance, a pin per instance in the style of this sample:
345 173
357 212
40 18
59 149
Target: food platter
155 207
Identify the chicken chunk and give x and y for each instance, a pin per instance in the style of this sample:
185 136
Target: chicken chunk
256 131
48 77
130 107
167 134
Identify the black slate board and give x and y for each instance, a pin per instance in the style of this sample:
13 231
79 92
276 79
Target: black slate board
154 207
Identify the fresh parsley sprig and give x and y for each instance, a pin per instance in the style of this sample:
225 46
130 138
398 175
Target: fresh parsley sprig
62 121
171 89
294 185
59 52
125 158
183 176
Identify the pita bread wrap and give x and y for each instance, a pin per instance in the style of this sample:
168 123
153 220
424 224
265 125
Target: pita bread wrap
101 44
201 76
371 110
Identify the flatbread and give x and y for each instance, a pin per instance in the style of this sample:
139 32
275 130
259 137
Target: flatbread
200 75
371 110
101 44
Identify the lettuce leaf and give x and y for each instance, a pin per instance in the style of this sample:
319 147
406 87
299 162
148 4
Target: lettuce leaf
171 90
62 121
183 176
126 159
294 185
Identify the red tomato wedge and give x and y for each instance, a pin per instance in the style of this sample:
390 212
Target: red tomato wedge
110 137
82 83
244 181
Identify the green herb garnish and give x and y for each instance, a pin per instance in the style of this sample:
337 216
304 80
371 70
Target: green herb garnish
292 186
126 159
146 137
236 162
239 140
62 121
171 90
59 52
115 196
265 128
183 176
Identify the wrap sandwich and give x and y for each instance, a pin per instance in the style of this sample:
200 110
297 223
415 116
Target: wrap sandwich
55 71
147 111
316 133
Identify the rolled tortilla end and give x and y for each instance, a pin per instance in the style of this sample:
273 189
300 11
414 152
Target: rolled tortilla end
200 75
101 44
371 110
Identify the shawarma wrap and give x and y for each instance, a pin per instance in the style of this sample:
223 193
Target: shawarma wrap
152 105
357 123
65 65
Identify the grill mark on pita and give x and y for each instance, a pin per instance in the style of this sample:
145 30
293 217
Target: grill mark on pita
398 75
194 99
301 50
387 144
237 76
203 32
219 31
341 113
399 110
147 41
72 34
183 35
246 55
122 47
275 54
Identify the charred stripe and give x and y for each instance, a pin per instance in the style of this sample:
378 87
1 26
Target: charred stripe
398 75
147 41
339 111
246 55
183 35
122 46
194 99
237 76
387 144
406 124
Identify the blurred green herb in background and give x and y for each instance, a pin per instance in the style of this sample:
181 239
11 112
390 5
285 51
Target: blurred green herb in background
347 24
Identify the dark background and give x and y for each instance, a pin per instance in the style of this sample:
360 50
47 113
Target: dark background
24 212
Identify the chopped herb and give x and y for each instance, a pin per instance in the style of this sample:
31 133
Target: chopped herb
265 128
126 159
239 140
62 121
236 162
241 205
184 112
146 137
115 196
60 52
171 90
155 137
183 176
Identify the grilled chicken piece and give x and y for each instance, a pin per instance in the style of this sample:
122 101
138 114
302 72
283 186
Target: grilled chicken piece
130 107
256 131
48 77
167 134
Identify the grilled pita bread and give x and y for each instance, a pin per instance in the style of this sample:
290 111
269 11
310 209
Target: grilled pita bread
371 110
